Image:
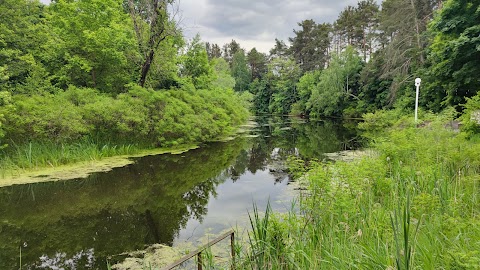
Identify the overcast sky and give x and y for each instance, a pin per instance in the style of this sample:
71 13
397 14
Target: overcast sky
254 23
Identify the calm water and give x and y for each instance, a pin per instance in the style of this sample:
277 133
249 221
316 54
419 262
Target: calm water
170 199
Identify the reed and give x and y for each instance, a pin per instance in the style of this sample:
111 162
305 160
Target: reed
34 155
412 205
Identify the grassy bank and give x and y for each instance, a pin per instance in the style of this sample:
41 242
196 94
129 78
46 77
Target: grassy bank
83 124
32 156
414 204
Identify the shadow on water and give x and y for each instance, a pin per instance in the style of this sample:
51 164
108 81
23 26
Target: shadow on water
158 199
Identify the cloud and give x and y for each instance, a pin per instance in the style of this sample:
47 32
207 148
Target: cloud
250 21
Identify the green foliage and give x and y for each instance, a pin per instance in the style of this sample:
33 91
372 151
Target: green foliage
262 96
91 48
36 155
240 71
283 74
374 89
336 84
22 35
454 52
310 45
140 116
67 72
222 74
258 64
305 87
471 117
195 64
164 73
411 203
6 108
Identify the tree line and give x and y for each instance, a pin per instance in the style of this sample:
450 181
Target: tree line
366 60
109 70
122 69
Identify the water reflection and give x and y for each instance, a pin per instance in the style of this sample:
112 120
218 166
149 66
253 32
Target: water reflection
159 199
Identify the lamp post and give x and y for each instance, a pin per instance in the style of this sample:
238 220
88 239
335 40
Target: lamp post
417 84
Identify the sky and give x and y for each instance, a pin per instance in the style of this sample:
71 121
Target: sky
252 23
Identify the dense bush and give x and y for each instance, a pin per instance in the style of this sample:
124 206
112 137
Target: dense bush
471 116
161 118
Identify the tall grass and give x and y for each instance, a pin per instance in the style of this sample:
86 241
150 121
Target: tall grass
48 154
412 205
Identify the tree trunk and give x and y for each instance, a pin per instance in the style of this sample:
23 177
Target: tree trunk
417 32
146 67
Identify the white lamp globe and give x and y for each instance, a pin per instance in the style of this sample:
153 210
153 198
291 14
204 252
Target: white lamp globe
418 81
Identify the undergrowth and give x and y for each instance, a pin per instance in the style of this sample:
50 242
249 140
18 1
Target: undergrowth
413 203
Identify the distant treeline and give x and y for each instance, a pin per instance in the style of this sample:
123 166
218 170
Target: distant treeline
366 60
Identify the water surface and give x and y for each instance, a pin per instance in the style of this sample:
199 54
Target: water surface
169 199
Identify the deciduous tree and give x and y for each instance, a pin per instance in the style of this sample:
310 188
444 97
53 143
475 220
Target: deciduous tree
455 52
153 23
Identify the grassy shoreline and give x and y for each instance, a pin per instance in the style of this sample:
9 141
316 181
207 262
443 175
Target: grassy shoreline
414 205
43 162
54 166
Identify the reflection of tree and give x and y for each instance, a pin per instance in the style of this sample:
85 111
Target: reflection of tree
281 137
324 137
113 212
240 166
147 202
197 198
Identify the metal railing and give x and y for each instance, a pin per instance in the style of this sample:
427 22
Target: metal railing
199 251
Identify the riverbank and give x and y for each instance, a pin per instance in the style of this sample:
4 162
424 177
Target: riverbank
80 169
35 163
414 204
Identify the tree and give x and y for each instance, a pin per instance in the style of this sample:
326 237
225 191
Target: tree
402 24
305 87
455 53
258 64
367 20
374 90
164 70
22 35
336 85
262 95
346 27
92 44
223 77
357 26
280 50
310 45
240 71
283 74
153 24
213 51
229 50
195 64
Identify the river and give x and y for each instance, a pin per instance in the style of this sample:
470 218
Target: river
169 199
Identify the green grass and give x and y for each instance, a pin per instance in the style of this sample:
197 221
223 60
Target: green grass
412 205
36 155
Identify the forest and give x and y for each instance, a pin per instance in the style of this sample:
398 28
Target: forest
122 70
87 79
365 61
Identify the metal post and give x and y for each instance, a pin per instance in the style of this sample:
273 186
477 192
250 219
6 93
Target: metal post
232 244
199 261
417 84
